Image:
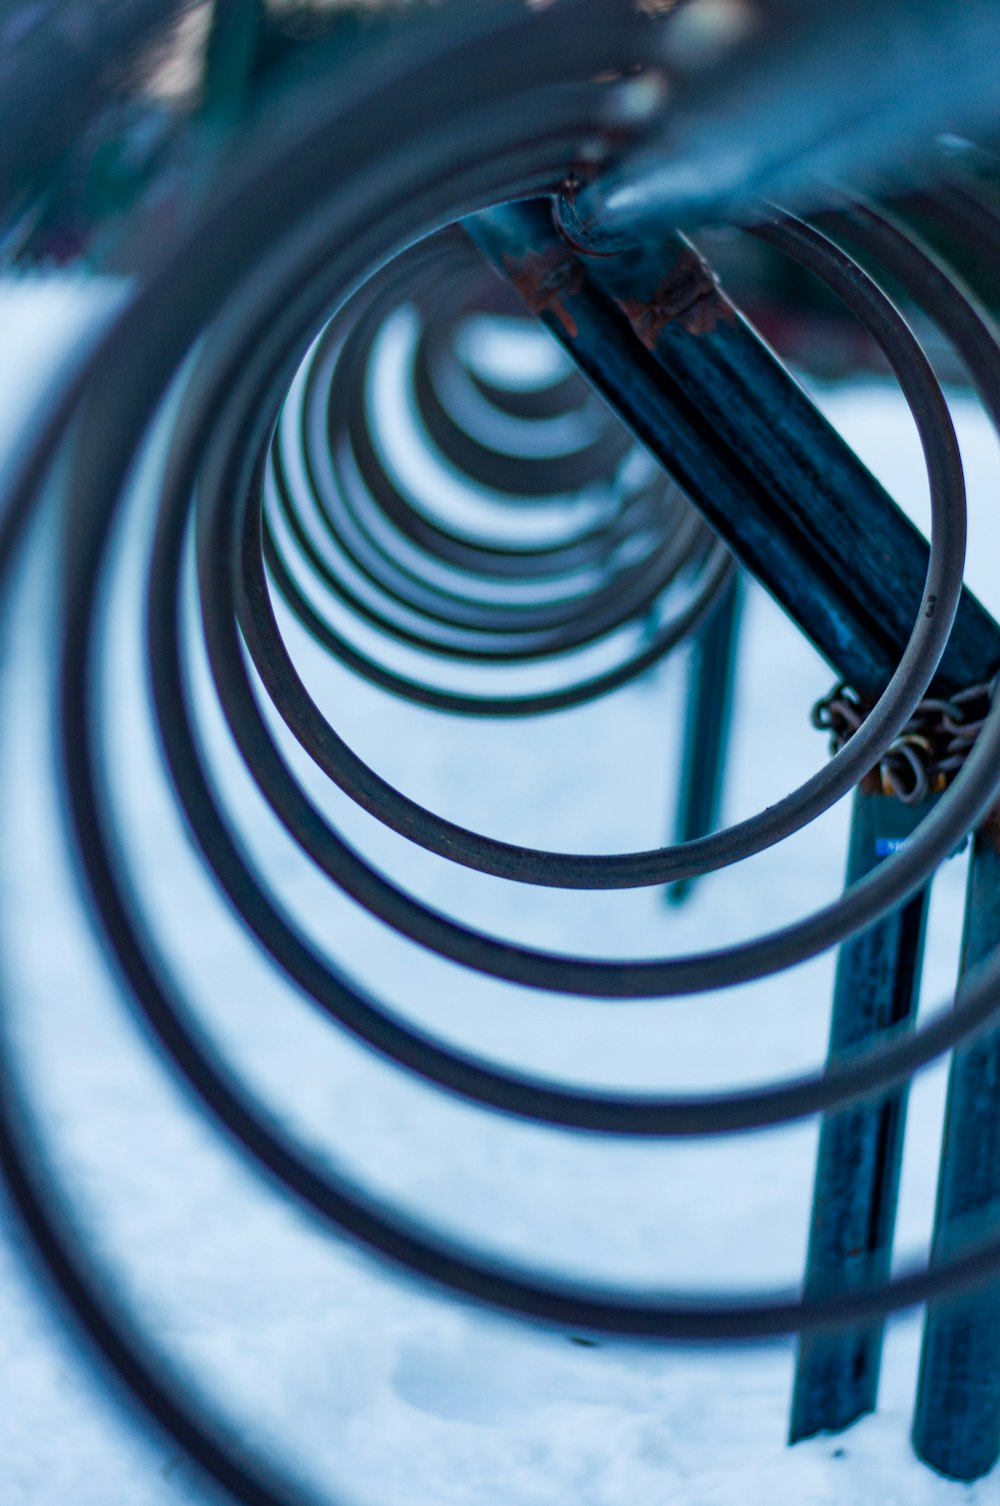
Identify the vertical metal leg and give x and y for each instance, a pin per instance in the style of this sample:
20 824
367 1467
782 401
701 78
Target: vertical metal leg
709 709
860 1149
956 1427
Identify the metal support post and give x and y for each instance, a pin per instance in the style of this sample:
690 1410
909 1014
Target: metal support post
860 1149
711 678
956 1426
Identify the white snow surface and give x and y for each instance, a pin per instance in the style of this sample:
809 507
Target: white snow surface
379 1391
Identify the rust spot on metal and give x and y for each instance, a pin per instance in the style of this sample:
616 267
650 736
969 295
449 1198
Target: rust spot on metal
689 295
871 784
544 278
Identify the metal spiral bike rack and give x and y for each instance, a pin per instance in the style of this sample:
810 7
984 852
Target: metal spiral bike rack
342 248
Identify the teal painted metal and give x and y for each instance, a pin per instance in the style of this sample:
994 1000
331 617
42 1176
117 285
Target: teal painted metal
956 1426
860 1149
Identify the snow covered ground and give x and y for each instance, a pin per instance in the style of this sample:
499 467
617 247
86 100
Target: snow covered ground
378 1391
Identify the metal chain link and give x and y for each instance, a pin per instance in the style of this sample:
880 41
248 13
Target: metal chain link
932 747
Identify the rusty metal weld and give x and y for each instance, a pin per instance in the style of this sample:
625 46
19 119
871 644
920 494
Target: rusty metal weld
689 295
544 278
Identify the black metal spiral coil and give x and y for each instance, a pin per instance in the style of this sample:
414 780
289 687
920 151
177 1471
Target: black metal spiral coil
474 522
245 364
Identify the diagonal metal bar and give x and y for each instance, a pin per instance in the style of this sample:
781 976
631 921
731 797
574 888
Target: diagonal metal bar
650 328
